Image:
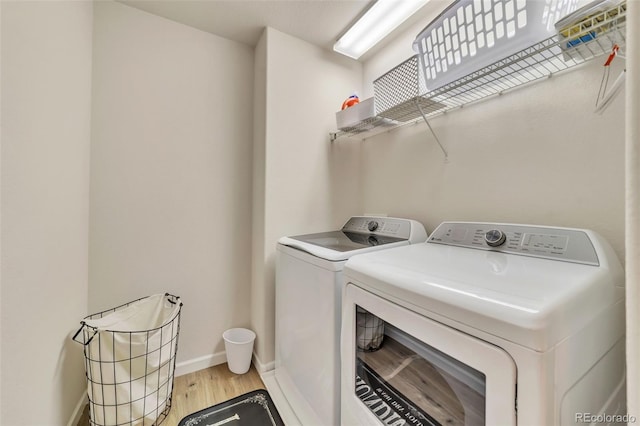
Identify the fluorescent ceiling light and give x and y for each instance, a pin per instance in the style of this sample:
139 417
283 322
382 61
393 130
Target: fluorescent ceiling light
381 18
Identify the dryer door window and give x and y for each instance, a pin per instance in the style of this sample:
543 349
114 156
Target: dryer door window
423 385
401 368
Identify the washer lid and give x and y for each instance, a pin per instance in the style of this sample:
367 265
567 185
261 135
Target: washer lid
345 240
532 301
338 245
359 235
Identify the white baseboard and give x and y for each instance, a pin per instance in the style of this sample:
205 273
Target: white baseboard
262 367
282 404
77 413
196 364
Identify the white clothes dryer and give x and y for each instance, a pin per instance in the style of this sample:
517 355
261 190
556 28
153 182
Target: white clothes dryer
487 324
308 308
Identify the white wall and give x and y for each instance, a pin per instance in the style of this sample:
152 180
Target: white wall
171 170
535 155
306 183
46 89
1 174
259 291
633 209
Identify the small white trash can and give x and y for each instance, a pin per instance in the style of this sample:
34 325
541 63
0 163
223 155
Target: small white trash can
238 343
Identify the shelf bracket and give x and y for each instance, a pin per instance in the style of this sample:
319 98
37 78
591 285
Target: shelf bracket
424 117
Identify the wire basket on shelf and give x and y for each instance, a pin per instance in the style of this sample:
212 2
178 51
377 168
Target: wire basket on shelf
130 355
399 93
598 25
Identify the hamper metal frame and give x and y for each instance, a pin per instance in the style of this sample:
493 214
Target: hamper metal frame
87 334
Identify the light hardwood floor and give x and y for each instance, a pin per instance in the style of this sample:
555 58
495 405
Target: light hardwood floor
196 391
433 390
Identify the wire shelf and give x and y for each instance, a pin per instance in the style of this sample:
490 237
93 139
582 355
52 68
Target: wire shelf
556 54
369 124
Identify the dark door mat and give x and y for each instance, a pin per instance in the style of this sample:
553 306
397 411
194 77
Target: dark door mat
251 409
371 387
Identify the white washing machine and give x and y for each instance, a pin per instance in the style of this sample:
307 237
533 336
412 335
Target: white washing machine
308 309
486 324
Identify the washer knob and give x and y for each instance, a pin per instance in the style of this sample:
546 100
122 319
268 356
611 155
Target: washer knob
495 238
372 226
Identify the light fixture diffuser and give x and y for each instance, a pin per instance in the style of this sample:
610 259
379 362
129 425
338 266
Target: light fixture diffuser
377 22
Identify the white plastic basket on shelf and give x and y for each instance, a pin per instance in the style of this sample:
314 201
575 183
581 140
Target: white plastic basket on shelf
471 34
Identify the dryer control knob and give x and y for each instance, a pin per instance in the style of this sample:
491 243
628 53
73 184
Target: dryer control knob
495 238
373 225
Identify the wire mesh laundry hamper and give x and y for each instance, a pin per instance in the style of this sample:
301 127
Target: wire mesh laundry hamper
369 330
130 355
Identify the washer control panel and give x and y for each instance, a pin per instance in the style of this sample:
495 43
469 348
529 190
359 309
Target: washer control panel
387 226
569 245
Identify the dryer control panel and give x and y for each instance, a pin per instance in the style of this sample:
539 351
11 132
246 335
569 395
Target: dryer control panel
565 244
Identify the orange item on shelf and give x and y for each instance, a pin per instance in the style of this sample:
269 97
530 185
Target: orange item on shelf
350 101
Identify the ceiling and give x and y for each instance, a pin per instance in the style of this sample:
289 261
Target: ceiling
320 22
